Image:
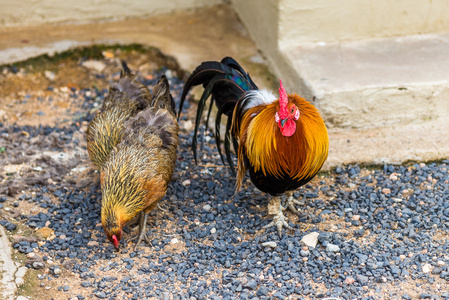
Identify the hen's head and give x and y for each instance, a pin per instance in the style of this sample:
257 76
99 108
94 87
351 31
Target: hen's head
112 227
114 237
287 113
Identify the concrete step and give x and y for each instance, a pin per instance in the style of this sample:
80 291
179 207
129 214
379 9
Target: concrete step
384 100
374 83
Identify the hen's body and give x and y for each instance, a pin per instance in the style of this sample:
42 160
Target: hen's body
137 173
133 141
283 141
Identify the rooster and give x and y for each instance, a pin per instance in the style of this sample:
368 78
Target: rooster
282 141
136 170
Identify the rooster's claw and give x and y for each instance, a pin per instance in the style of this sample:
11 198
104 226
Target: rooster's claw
279 220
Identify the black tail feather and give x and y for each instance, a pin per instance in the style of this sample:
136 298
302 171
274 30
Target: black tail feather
235 65
227 146
201 75
199 112
210 109
218 135
225 82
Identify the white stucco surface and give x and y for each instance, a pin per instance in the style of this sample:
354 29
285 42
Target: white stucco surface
34 12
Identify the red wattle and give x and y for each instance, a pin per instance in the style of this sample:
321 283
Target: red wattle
289 128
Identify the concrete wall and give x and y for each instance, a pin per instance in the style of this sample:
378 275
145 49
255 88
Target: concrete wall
333 20
261 18
300 37
33 12
304 21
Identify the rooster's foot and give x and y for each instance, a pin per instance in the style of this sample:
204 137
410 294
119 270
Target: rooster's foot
292 201
279 220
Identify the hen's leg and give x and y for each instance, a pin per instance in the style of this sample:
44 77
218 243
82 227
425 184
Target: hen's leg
142 231
279 220
292 201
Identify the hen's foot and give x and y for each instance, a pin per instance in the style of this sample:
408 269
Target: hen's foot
279 220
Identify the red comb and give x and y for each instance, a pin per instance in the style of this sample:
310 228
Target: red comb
283 100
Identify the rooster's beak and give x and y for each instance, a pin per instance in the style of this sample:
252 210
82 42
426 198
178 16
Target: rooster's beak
283 121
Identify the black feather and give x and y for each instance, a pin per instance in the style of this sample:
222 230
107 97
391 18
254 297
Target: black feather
226 82
227 104
235 65
227 146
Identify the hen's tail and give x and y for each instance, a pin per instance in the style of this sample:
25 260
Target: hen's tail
135 91
162 97
159 118
226 81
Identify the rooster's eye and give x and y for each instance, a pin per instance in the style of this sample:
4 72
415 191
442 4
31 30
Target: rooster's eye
293 110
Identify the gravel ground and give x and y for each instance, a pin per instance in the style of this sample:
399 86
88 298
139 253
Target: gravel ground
382 232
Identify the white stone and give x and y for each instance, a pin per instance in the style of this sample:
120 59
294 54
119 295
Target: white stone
188 125
270 244
94 65
426 268
310 240
49 75
174 241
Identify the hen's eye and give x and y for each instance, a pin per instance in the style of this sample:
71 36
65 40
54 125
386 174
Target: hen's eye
293 110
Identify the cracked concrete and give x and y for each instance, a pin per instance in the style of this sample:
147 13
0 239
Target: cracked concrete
8 269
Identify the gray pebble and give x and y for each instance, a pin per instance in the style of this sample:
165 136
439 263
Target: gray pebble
362 279
252 284
37 265
101 295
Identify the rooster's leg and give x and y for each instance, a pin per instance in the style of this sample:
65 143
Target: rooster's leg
279 220
142 232
292 201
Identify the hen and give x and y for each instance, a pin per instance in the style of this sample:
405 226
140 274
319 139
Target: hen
134 174
283 142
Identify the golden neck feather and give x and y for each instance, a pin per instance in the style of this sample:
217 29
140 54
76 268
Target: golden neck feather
298 156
